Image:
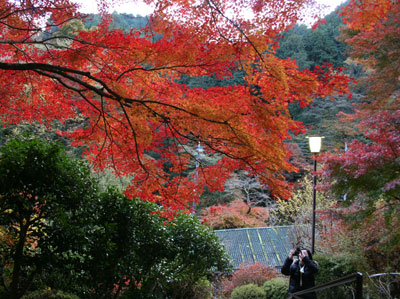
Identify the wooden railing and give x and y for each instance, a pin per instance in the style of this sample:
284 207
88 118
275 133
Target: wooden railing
356 277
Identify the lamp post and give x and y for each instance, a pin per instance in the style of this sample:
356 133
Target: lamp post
315 147
199 151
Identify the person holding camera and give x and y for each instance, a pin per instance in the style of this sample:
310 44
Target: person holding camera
302 269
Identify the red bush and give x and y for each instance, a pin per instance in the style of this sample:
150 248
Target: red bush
257 273
234 215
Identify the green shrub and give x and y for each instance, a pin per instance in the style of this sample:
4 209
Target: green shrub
49 294
202 289
276 288
3 293
332 267
183 289
249 291
256 273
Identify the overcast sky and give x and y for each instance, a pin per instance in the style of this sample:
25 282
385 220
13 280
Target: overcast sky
89 6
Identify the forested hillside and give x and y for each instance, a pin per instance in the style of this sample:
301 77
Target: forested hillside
122 21
312 48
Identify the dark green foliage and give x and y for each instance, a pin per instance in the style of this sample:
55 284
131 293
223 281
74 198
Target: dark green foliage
203 289
276 288
128 247
206 82
92 20
321 119
37 130
191 252
60 232
322 44
123 21
182 289
39 185
292 45
127 22
3 293
314 47
332 267
118 245
49 294
249 291
209 199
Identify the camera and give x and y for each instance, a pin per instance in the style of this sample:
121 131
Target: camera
297 252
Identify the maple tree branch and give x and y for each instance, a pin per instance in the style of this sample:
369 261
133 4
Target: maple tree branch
64 72
134 136
21 10
215 6
141 68
44 41
23 52
172 129
60 81
217 27
102 112
208 144
22 29
178 109
36 65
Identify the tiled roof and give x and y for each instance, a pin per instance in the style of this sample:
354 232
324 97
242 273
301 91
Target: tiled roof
266 245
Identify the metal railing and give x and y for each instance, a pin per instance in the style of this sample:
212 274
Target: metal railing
356 277
385 285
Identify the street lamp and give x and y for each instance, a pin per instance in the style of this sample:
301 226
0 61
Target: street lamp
315 147
199 151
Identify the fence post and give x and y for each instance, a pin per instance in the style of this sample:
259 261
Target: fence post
359 286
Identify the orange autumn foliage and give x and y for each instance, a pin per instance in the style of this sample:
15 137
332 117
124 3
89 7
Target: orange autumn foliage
236 214
125 86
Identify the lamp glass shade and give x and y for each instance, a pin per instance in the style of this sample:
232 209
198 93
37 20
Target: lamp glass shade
315 144
200 149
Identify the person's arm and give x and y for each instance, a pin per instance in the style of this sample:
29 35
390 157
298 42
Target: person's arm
313 266
285 270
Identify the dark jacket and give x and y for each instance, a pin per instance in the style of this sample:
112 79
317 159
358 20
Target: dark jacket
300 281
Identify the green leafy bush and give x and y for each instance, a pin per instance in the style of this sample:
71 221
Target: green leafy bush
249 291
276 288
188 288
332 267
89 243
40 187
49 294
252 274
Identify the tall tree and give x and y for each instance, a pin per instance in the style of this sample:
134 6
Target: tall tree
39 186
292 45
368 172
58 231
312 47
125 87
370 167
